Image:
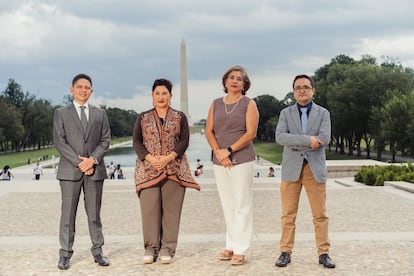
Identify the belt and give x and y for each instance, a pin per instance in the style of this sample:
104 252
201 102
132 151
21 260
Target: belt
305 161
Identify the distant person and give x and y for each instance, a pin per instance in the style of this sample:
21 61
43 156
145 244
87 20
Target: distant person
162 174
111 170
304 131
231 127
81 134
271 172
118 173
199 168
6 173
37 171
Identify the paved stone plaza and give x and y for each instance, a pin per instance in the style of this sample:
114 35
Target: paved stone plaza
371 230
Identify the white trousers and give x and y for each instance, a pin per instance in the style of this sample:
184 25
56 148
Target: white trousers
235 188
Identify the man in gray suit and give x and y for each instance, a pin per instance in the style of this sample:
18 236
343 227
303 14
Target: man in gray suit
81 135
304 129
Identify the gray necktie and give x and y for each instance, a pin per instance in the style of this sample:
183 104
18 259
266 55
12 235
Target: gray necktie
304 118
84 121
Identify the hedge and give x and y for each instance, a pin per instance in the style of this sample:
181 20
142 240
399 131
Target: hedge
376 175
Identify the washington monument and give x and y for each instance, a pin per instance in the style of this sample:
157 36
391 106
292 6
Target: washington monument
184 82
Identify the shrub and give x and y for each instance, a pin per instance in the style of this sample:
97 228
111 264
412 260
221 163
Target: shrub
376 175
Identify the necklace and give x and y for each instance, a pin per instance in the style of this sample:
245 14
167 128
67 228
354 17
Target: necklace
234 107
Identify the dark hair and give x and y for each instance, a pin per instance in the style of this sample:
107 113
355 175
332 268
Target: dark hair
303 76
162 82
246 80
81 76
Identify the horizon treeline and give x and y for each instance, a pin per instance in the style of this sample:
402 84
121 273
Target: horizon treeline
370 105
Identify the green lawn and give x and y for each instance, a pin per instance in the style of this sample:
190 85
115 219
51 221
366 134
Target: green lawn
269 151
20 158
272 152
266 150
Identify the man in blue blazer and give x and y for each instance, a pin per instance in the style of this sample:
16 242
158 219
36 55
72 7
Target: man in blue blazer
304 130
81 135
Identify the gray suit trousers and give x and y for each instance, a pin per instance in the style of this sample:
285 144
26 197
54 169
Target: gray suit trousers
70 191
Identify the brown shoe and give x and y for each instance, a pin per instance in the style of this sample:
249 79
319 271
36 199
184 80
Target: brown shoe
237 259
226 255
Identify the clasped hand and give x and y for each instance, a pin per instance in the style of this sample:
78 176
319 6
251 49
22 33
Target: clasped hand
86 165
315 142
223 155
158 162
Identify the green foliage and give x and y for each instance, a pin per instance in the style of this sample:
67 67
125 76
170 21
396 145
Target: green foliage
356 92
269 108
121 121
376 175
370 105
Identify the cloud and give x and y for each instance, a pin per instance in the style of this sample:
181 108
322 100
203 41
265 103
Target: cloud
124 45
393 46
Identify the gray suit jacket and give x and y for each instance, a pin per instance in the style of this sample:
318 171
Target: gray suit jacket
296 145
71 142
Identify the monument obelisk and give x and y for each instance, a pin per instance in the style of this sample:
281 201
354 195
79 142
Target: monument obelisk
184 82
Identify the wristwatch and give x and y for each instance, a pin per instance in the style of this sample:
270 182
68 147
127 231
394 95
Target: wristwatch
230 149
95 162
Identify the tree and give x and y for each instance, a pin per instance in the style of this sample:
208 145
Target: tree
410 119
395 122
268 107
39 123
11 127
120 121
14 94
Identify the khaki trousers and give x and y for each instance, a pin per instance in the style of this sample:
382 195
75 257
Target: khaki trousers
161 212
316 193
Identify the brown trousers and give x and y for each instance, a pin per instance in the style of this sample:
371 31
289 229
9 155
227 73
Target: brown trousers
290 194
161 212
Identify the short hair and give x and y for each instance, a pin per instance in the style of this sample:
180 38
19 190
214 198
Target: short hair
303 76
164 82
81 76
246 80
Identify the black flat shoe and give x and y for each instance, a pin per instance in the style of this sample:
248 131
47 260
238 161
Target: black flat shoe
63 263
101 260
326 261
283 260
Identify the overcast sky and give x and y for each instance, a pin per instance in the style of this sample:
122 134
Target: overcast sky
125 44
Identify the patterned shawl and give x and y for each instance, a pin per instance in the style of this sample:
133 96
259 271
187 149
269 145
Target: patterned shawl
160 140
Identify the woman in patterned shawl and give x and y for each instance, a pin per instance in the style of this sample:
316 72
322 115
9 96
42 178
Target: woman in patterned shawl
161 137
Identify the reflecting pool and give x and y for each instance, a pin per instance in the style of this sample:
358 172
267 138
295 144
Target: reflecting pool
197 149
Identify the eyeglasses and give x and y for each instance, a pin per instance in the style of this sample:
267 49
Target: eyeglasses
304 88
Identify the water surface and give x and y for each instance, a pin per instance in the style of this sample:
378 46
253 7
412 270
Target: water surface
197 149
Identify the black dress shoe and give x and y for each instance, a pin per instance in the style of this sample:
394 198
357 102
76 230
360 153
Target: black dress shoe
283 260
63 262
326 261
101 260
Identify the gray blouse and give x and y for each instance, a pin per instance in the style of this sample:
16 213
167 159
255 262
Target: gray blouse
229 124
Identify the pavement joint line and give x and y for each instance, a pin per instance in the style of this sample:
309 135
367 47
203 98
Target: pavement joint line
111 240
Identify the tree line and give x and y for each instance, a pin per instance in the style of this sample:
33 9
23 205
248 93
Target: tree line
371 106
27 122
